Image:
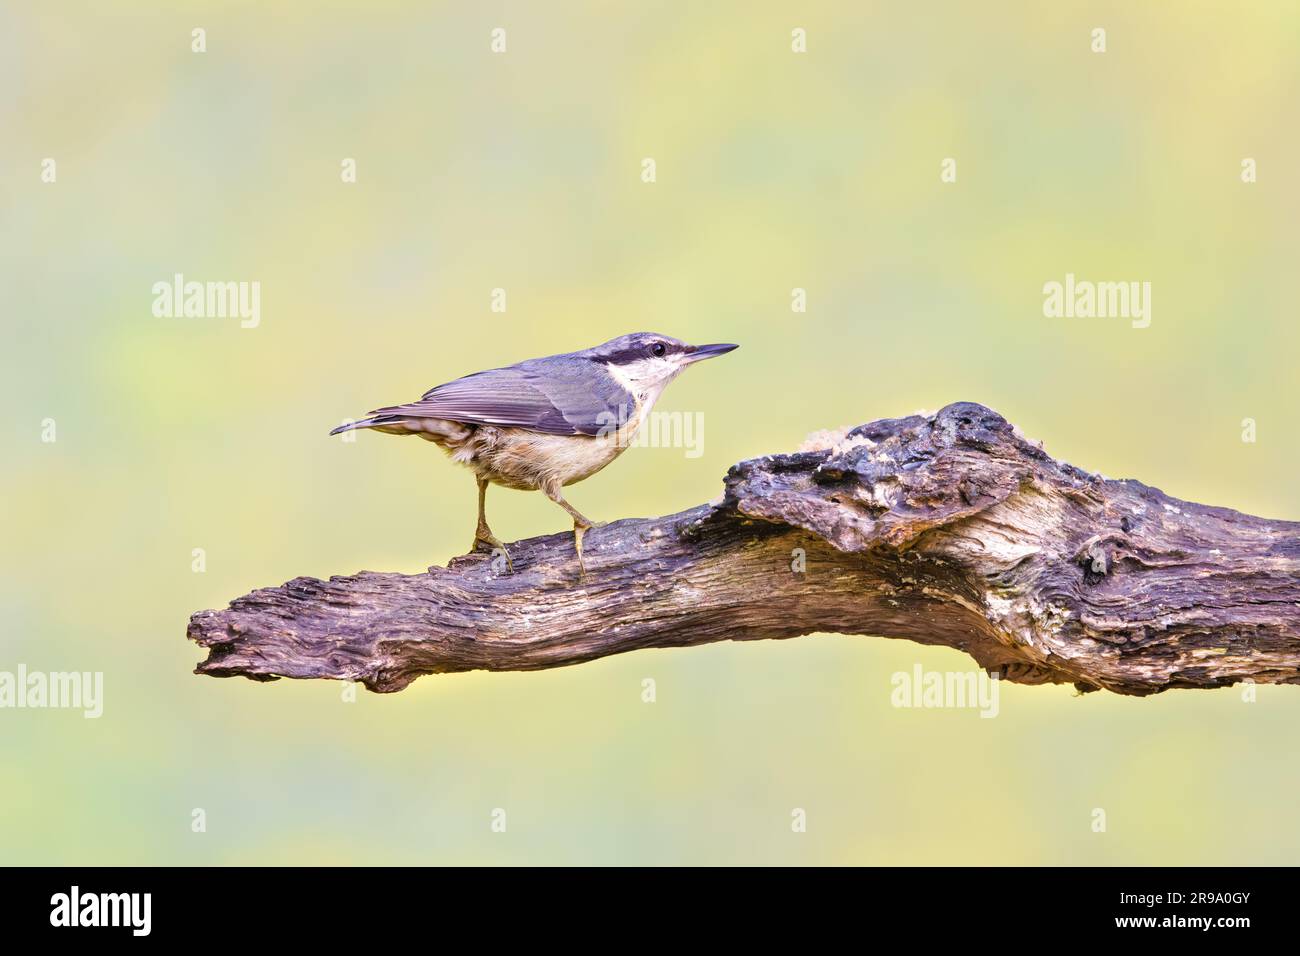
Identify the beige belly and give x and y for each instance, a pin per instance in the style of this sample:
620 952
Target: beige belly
517 458
522 459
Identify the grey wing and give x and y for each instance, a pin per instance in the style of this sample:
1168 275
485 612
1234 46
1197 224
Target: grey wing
564 398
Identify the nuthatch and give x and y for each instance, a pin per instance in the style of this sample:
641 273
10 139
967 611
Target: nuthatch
547 422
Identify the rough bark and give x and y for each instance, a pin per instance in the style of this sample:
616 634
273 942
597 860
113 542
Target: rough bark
950 529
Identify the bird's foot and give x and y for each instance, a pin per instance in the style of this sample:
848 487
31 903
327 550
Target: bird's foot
578 531
484 536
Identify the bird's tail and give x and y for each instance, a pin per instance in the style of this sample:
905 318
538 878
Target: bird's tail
397 420
368 422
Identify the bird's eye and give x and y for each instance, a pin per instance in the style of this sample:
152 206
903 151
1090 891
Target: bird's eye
658 349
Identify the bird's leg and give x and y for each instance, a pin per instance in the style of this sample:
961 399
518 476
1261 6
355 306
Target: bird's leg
580 523
483 532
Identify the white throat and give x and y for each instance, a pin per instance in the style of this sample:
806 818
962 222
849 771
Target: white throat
646 380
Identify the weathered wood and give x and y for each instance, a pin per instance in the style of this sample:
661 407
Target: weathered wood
949 529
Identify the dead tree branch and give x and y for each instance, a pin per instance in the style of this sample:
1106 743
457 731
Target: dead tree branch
950 529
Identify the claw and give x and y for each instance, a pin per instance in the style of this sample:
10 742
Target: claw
494 545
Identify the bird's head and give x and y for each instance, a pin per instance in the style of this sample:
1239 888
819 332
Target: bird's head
644 362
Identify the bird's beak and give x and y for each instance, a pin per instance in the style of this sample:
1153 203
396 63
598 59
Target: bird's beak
701 352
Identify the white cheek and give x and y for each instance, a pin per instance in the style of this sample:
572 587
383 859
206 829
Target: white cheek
644 376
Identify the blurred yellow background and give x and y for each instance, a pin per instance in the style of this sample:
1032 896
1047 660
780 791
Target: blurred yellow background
522 170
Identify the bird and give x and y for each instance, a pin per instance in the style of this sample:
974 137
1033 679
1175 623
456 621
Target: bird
544 423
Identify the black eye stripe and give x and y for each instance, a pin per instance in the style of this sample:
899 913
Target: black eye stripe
640 351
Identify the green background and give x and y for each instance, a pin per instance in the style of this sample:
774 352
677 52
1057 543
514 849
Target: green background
522 171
